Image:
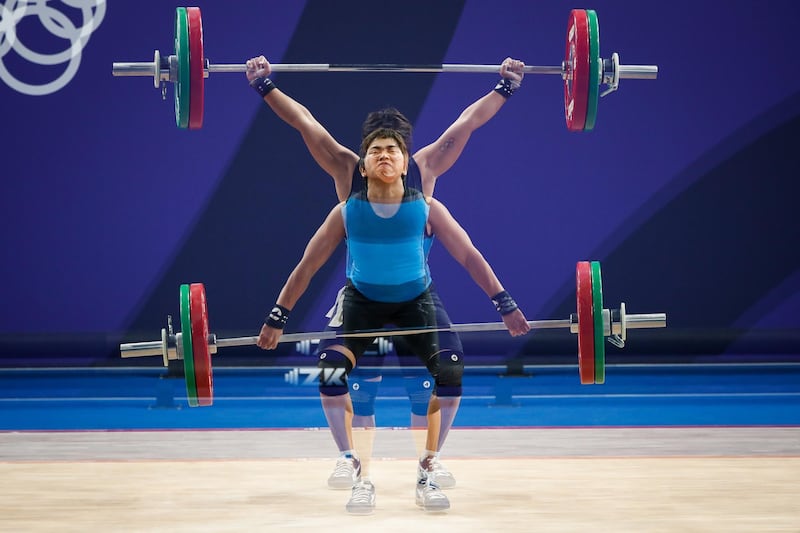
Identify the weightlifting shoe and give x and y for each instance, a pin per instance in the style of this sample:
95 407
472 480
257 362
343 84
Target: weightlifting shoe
444 478
345 474
429 494
362 500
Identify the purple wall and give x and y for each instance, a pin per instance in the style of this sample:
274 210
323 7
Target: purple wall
107 206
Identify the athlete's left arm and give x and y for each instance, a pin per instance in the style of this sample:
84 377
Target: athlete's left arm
436 158
459 244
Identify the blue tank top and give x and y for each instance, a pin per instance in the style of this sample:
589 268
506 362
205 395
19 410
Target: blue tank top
413 181
387 256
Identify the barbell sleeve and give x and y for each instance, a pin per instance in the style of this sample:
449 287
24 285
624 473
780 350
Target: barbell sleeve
646 321
140 349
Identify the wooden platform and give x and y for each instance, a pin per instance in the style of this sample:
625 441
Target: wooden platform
616 480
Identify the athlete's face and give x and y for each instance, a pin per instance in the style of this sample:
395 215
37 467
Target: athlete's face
385 160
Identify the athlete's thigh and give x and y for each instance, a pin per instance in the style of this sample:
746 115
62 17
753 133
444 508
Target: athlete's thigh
360 314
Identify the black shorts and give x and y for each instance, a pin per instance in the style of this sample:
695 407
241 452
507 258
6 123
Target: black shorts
448 340
362 314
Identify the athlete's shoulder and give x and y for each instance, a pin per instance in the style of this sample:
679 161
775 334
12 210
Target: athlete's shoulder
413 194
357 183
414 175
360 194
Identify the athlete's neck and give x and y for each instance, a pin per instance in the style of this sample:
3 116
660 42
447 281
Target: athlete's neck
385 193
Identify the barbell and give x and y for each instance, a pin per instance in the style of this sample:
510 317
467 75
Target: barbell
583 70
194 345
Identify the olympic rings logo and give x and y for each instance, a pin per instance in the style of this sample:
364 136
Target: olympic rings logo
58 24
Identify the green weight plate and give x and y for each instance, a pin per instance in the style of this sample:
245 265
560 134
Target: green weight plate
597 314
595 67
182 79
188 351
583 293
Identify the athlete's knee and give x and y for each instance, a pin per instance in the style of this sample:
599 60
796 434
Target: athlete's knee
363 391
448 369
419 390
334 367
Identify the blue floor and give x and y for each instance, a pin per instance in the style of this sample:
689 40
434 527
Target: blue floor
652 395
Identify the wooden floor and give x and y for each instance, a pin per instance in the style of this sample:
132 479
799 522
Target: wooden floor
616 480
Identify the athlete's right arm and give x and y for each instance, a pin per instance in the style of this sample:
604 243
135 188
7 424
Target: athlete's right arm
318 250
335 159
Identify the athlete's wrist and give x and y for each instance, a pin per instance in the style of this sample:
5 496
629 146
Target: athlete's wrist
504 88
278 317
504 303
262 85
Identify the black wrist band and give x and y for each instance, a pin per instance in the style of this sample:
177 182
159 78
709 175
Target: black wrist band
504 88
262 86
278 317
504 303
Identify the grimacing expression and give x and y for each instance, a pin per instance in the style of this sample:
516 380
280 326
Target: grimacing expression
385 159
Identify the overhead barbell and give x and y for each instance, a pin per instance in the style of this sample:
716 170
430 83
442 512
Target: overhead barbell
195 345
583 70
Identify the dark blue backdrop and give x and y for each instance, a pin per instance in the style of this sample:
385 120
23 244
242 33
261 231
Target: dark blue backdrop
685 190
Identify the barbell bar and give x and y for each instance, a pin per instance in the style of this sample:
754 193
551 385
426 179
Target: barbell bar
195 344
122 69
615 323
583 71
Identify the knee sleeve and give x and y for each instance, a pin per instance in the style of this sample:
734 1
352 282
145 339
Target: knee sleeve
448 369
334 367
419 390
363 394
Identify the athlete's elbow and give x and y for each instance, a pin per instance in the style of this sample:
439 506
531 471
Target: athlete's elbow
473 260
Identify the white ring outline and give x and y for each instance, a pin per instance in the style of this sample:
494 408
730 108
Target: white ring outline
93 12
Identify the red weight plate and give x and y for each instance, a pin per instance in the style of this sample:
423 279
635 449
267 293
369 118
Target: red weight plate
583 278
202 355
576 63
196 64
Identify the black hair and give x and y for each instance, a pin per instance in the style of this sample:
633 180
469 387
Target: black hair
388 118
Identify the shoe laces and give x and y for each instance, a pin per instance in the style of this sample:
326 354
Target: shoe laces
436 466
362 492
431 490
344 467
431 467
